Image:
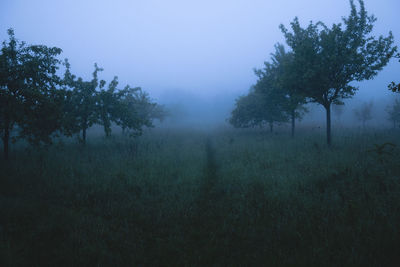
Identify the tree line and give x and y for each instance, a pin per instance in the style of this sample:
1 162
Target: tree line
320 67
36 104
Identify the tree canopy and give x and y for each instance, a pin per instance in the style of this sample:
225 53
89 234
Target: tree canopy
275 97
393 86
329 59
38 104
29 99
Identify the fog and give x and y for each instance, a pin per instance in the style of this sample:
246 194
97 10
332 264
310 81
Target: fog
96 176
195 57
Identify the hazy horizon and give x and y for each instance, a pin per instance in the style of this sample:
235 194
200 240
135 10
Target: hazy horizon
179 51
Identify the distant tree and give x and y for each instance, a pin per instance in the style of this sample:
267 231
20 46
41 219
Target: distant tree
83 101
338 110
329 59
136 110
247 112
89 102
394 112
272 101
29 95
393 86
364 112
283 77
260 106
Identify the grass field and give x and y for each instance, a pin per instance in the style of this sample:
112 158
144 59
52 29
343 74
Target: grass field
196 198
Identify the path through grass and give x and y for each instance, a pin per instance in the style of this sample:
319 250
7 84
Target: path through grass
174 198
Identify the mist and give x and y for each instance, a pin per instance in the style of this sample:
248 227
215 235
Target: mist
196 55
199 133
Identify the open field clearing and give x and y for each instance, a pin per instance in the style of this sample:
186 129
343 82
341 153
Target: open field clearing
194 198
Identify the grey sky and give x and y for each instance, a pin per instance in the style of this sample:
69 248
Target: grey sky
207 48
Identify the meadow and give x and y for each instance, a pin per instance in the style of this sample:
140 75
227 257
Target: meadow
187 197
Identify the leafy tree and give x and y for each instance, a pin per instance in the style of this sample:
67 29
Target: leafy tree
393 86
108 106
83 101
89 102
247 111
272 101
261 106
364 112
136 110
29 97
284 78
329 59
130 108
394 112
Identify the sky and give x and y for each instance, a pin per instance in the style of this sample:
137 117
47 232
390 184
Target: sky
177 50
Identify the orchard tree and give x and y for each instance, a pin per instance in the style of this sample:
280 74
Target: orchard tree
29 97
394 112
272 101
260 106
136 110
89 102
364 112
247 112
393 86
107 104
284 79
83 101
329 59
338 110
130 108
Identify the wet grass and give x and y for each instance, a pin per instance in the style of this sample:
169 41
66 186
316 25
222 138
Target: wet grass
189 198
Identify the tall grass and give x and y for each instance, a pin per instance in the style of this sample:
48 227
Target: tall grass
173 198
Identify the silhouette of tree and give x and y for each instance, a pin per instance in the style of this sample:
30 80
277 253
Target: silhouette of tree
83 101
329 59
393 86
29 97
364 112
283 77
394 112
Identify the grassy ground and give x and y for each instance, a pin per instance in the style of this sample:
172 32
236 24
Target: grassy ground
190 198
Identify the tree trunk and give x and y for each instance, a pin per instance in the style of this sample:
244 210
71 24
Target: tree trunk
293 122
328 123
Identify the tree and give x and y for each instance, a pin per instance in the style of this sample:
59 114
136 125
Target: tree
272 101
329 59
364 112
284 78
83 101
90 103
260 106
393 86
136 110
107 104
29 97
247 111
338 110
130 108
394 112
